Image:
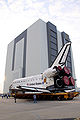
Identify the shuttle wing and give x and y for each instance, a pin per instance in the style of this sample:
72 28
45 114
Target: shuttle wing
33 89
62 55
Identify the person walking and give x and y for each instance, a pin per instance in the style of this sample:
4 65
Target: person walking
2 96
15 98
34 98
7 96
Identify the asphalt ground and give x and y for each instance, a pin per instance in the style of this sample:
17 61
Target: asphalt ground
25 109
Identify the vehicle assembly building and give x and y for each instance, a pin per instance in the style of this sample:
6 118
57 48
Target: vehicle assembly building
34 50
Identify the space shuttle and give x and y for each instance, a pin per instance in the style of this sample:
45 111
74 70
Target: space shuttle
56 78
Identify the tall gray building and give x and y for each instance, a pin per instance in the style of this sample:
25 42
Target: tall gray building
34 50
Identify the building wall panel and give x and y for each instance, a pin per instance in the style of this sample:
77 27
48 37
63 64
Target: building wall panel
8 68
37 53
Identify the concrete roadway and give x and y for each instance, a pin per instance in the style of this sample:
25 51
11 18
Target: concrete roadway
42 110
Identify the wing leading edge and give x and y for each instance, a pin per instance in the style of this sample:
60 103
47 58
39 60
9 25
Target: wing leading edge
33 89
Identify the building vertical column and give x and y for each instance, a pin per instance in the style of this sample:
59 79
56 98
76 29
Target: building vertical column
52 43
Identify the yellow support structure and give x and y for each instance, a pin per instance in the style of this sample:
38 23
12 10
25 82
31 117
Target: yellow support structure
59 96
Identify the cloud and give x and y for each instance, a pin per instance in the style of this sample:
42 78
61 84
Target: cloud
65 9
55 8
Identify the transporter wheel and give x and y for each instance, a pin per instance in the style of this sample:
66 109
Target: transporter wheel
60 98
70 98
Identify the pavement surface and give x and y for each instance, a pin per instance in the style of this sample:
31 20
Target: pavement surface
42 110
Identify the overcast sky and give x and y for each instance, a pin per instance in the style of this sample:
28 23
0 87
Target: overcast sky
18 15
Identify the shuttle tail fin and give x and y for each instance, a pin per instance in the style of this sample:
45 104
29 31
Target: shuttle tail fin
62 55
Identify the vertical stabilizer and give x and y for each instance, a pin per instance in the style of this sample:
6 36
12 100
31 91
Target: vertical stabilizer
62 55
